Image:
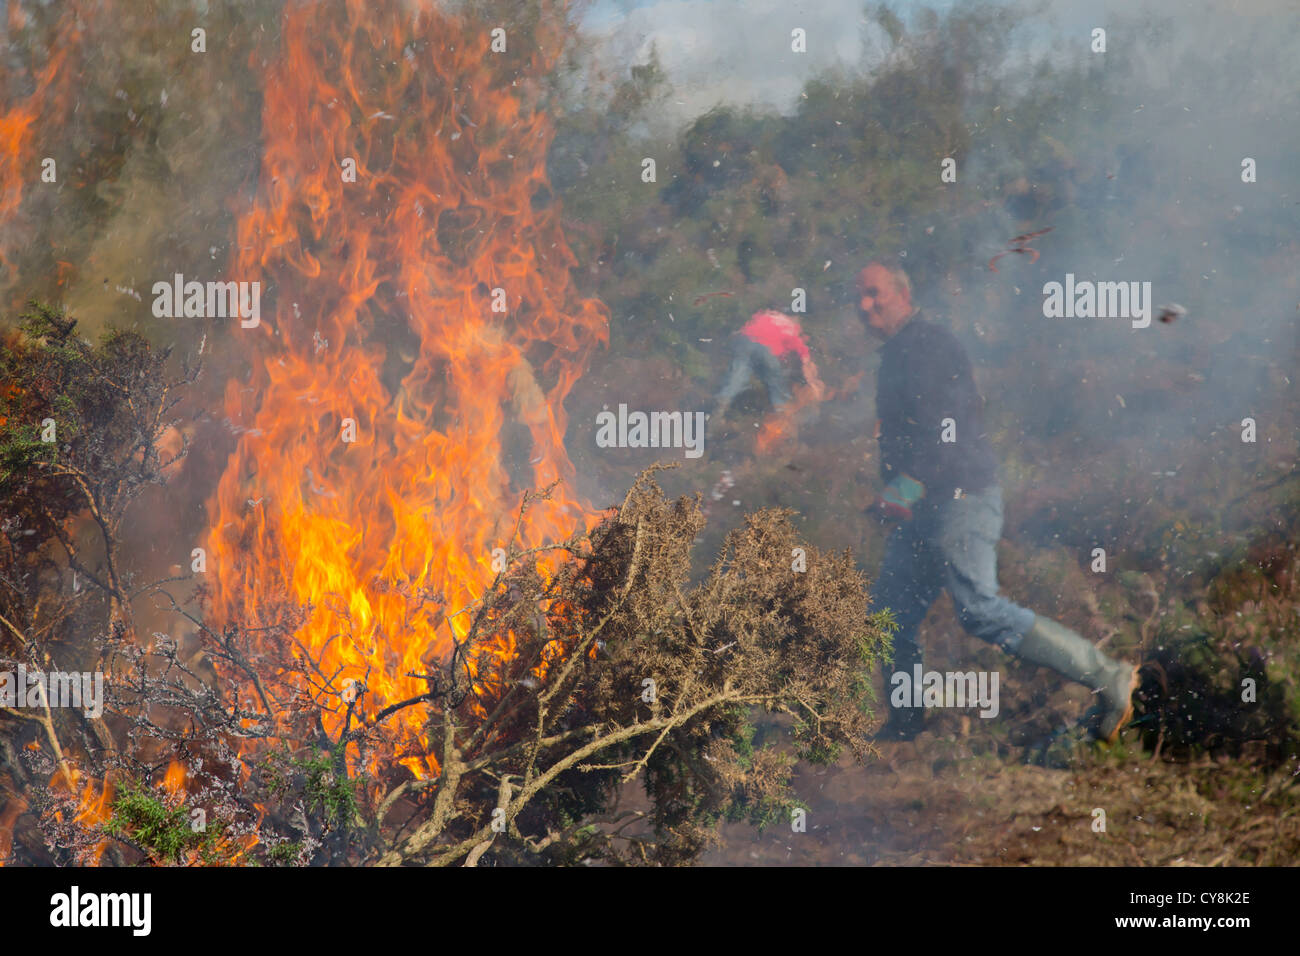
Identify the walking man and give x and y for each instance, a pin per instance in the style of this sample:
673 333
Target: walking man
947 497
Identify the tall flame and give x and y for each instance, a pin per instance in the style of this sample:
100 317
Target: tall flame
384 315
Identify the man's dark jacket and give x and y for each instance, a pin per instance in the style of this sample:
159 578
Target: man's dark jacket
924 378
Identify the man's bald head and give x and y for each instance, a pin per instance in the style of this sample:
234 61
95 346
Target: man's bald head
884 298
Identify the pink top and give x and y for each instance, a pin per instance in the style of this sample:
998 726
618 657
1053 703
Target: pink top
778 332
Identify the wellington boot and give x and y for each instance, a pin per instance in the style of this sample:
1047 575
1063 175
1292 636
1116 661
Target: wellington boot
1054 645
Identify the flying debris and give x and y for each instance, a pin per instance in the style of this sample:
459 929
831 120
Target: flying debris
1020 244
1032 252
1020 240
711 295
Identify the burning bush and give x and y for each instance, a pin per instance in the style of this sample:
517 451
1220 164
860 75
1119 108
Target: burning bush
570 685
585 666
80 430
618 668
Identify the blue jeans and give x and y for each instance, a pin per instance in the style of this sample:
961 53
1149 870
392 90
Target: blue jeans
951 544
750 359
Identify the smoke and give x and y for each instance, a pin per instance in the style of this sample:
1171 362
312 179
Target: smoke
1136 165
1186 108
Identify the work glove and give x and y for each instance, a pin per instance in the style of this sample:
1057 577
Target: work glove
900 495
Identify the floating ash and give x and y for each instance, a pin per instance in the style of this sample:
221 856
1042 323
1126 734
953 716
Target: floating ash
1168 313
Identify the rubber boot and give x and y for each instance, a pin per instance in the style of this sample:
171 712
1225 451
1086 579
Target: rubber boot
1054 645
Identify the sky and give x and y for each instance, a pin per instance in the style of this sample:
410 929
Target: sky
735 51
738 51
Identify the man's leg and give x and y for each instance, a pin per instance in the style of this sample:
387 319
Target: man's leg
967 542
774 377
738 375
908 584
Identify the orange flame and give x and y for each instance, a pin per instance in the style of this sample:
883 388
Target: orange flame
44 110
9 814
94 807
96 803
174 782
783 426
384 322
